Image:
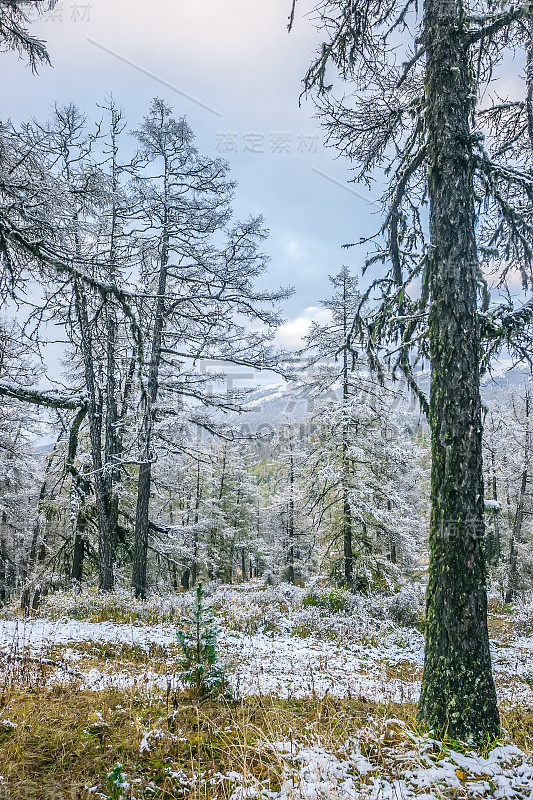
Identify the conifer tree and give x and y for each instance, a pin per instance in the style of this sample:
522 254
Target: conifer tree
200 667
418 116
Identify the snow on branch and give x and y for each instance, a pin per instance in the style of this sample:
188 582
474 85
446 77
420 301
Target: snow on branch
47 399
490 25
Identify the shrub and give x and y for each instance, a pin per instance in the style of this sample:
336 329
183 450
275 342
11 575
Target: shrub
405 610
119 606
334 601
260 610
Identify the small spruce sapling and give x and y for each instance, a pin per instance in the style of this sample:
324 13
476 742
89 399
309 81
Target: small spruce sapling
117 783
199 664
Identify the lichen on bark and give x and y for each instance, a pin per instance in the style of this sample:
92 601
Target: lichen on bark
458 693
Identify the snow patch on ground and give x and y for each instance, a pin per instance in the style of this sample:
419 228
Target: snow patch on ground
280 664
506 773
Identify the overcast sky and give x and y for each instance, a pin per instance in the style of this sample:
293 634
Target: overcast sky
234 71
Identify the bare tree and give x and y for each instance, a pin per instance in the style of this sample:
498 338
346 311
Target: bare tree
199 296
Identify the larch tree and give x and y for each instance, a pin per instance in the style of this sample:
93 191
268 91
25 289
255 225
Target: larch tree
90 226
63 206
523 497
35 205
119 356
416 108
30 197
20 467
363 465
328 341
14 34
199 269
293 537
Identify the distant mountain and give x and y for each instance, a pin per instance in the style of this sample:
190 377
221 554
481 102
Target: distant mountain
269 407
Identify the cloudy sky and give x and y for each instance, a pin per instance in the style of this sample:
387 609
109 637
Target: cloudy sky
233 70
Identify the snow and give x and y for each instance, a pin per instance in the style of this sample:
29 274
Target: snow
424 770
278 663
346 655
495 504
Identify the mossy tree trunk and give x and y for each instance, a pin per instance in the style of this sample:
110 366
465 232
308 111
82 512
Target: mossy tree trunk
458 693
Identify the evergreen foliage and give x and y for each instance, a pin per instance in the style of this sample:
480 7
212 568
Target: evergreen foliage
117 783
200 668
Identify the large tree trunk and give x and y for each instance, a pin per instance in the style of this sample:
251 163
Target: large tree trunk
458 693
106 531
140 546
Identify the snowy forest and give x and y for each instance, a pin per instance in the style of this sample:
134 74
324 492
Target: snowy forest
249 550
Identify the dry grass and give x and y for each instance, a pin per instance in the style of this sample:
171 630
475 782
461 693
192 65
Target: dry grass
67 741
517 726
403 671
117 656
502 628
60 743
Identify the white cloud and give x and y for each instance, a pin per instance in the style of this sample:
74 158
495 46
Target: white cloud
294 250
292 333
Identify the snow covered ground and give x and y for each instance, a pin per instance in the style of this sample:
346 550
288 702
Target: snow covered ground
424 771
354 657
351 655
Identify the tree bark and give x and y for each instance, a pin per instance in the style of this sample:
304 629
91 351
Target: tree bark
29 566
194 560
140 548
106 534
347 513
291 574
493 542
3 562
458 694
78 555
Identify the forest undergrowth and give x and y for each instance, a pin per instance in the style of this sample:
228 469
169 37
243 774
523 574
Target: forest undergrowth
324 690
